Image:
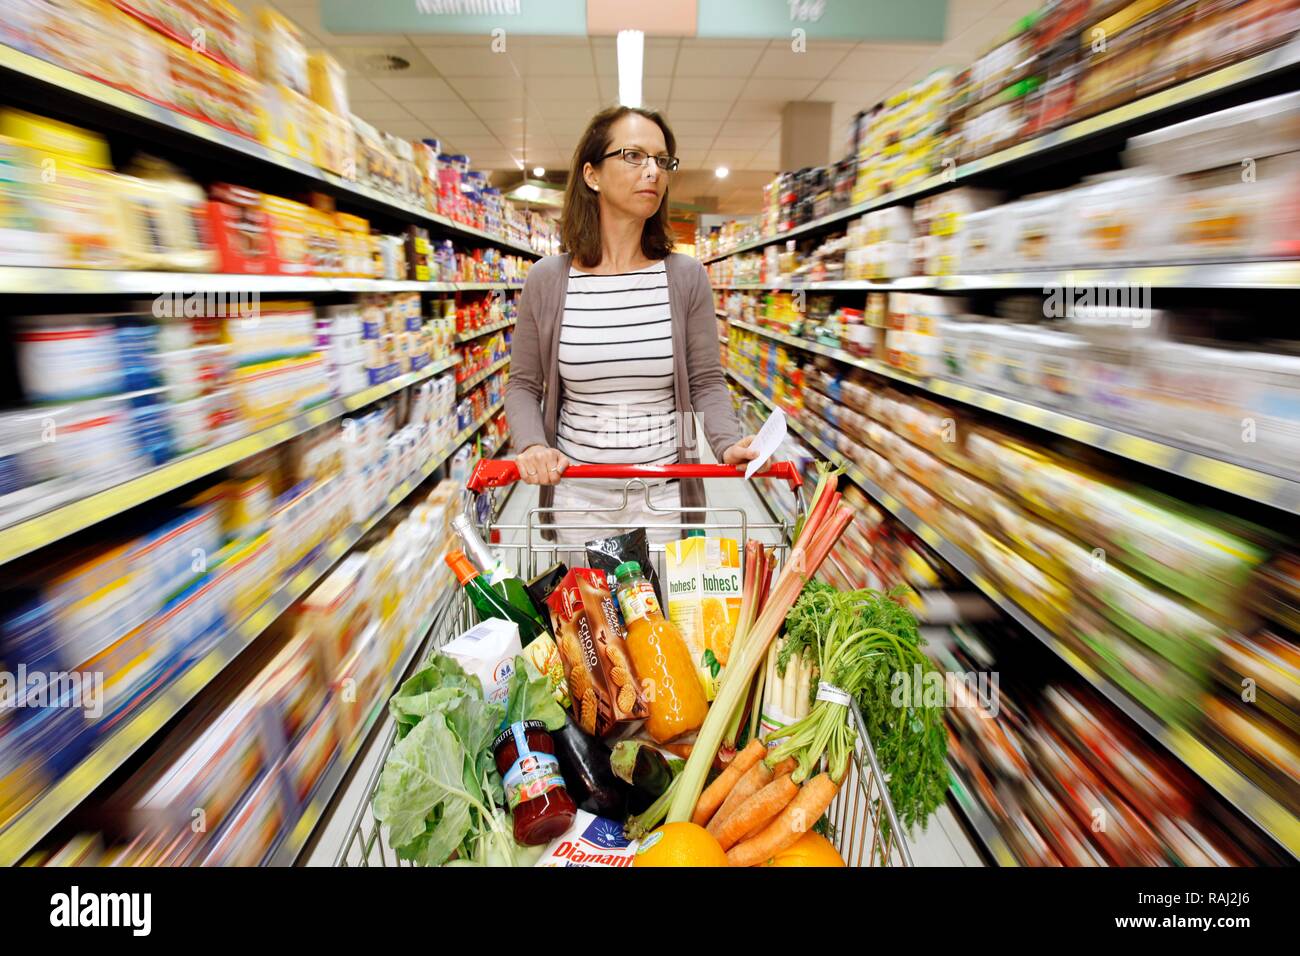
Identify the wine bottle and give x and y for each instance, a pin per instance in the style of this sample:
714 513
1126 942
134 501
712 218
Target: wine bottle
496 574
488 602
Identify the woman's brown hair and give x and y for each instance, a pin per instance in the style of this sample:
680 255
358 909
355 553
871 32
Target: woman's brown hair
580 222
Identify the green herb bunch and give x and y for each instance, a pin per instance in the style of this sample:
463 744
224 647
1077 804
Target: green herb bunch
860 640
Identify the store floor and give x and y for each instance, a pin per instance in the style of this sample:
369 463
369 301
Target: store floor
944 843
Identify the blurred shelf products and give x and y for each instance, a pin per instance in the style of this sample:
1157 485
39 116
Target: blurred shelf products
257 83
1044 85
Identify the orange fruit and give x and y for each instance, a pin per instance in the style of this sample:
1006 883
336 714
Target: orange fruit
680 844
812 849
718 628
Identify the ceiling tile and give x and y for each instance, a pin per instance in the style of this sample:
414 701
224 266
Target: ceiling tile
486 87
572 58
741 143
729 157
701 110
469 61
416 89
714 88
761 129
438 111
755 109
498 109
561 87
407 129
453 129
853 94
717 59
814 62
361 90
787 89
882 61
691 128
381 111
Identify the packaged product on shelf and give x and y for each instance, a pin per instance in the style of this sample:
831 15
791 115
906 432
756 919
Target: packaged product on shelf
166 217
601 681
78 208
242 231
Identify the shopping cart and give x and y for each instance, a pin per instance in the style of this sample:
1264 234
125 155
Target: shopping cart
863 828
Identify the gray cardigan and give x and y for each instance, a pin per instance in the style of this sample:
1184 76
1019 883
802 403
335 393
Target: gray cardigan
534 390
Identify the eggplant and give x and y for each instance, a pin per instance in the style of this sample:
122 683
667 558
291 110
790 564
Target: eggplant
647 771
585 764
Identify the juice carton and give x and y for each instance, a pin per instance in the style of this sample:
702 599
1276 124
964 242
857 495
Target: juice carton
704 589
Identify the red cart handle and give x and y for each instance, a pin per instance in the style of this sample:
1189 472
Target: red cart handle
498 472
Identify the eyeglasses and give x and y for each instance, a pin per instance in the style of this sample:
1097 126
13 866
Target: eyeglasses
639 157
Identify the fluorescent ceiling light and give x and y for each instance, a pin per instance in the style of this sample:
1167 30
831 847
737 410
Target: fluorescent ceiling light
722 172
631 55
539 171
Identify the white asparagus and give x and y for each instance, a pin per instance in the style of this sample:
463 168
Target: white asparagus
804 685
772 687
790 689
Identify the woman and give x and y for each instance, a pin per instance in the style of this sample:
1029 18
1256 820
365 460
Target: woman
616 346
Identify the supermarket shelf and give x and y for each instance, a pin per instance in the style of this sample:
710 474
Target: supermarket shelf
478 377
24 280
487 330
26 535
1253 274
26 828
978 818
1267 813
1248 71
1245 481
291 848
323 794
32 68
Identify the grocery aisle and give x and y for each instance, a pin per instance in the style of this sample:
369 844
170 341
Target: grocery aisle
1022 271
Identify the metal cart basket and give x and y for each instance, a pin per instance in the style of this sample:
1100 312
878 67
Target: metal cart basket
864 827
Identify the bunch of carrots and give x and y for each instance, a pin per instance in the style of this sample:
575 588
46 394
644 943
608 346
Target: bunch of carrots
741 814
755 812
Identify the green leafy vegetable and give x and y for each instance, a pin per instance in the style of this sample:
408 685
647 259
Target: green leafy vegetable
439 793
530 697
861 639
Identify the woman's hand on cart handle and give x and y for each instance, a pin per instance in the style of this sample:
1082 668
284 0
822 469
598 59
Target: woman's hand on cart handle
539 465
740 454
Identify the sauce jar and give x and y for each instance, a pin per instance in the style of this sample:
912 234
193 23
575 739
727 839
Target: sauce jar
525 758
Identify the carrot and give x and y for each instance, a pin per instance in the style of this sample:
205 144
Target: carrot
786 766
755 779
762 807
679 750
795 820
717 791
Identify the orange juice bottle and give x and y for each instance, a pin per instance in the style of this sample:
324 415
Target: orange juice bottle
659 655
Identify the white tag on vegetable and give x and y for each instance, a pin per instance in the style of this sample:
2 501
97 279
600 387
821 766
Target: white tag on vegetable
831 693
767 440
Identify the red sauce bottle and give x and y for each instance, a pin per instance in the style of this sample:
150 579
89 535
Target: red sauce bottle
525 758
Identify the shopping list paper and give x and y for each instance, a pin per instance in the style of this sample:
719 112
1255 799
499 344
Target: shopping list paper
767 440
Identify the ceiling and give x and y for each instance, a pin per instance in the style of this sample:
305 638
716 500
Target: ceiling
723 98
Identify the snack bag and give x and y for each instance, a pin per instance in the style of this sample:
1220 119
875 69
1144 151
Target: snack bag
602 684
704 591
606 554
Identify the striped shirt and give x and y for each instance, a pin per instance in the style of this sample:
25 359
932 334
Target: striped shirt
616 367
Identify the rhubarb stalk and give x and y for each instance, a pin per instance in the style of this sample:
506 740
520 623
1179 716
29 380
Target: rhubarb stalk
827 520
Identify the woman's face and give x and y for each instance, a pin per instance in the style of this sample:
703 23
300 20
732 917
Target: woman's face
636 191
